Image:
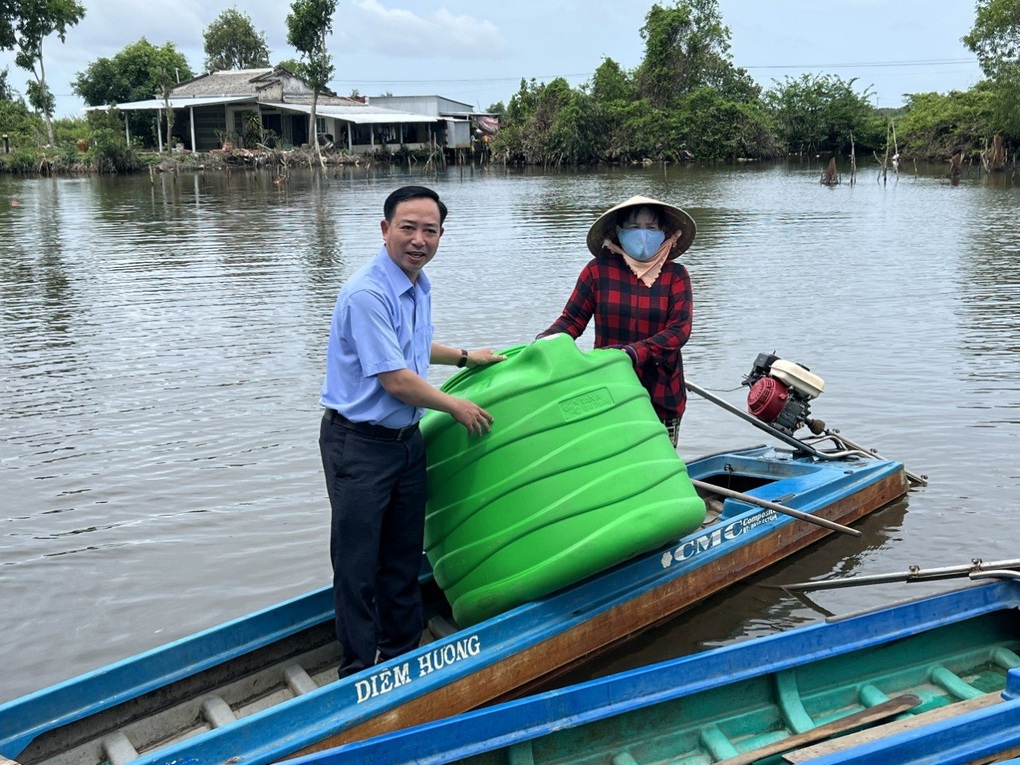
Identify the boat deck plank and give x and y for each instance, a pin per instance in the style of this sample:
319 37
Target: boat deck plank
885 730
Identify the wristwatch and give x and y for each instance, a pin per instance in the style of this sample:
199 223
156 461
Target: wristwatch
462 361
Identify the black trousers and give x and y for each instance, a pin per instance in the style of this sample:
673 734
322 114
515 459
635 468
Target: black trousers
377 492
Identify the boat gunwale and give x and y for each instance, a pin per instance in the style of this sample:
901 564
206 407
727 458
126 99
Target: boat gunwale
543 612
527 718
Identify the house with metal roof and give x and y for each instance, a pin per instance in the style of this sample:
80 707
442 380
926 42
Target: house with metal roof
273 106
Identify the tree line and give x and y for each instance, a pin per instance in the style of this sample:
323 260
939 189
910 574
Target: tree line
141 71
686 100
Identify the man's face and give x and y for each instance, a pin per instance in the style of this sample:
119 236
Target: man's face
412 237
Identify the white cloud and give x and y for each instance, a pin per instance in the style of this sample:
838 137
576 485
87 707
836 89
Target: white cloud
403 33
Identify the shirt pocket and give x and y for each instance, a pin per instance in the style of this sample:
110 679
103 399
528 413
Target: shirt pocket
423 335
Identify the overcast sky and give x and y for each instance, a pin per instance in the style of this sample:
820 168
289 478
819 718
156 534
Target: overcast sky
478 52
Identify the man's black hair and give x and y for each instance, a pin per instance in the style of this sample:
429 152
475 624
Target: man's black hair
405 193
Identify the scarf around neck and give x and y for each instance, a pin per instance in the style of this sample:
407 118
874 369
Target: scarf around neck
646 271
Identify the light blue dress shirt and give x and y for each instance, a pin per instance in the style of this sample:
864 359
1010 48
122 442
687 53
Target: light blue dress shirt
382 322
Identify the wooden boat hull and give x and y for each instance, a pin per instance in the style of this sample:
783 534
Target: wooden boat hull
956 651
293 704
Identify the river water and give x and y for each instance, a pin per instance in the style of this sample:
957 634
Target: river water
162 344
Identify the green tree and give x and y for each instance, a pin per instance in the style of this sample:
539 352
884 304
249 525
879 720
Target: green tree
30 22
724 129
578 135
6 91
686 47
547 124
16 120
818 113
136 73
139 72
7 38
308 23
292 65
995 36
995 39
232 42
642 131
938 125
611 83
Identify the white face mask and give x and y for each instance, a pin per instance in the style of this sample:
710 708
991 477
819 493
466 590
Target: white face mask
641 243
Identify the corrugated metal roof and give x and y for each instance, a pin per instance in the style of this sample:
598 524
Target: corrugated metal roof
359 115
176 103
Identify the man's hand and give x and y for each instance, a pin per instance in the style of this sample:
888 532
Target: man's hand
471 416
483 357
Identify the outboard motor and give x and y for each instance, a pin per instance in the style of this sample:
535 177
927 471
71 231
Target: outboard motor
780 394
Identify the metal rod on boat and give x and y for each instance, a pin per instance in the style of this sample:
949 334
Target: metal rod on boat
797 443
974 569
920 480
791 440
800 515
1001 573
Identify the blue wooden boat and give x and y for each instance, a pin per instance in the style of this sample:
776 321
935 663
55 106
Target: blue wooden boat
933 680
264 687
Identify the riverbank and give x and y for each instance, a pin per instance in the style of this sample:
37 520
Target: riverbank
76 160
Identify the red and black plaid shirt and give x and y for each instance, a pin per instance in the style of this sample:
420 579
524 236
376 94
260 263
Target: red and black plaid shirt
655 322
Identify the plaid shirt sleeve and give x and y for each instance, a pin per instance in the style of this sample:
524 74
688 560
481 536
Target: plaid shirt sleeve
652 323
580 305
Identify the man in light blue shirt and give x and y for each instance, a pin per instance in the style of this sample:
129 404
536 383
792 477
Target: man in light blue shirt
374 393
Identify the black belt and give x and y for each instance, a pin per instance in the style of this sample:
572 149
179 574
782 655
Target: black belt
368 429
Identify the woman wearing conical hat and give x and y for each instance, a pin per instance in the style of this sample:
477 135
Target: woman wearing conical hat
640 296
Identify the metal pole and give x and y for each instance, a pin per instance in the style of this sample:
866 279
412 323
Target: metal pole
798 514
794 442
975 569
835 435
918 479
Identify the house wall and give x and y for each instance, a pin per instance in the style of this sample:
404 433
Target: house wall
208 120
295 86
271 92
446 106
458 134
427 105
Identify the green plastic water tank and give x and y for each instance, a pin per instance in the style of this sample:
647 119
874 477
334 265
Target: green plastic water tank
576 475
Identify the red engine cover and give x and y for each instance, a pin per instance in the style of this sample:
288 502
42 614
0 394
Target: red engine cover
767 398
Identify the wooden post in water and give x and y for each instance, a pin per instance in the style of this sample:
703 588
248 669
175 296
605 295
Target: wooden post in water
853 160
955 167
829 175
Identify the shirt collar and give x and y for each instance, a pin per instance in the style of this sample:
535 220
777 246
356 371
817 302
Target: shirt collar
397 279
